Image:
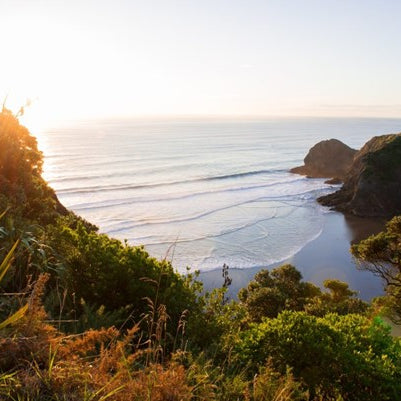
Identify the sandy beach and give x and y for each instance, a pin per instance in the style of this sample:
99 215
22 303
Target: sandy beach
327 256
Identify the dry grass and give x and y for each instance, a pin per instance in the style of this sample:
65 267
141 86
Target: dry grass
41 363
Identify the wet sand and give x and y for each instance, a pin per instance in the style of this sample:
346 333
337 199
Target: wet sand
325 257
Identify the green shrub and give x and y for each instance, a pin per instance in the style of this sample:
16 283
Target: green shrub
348 355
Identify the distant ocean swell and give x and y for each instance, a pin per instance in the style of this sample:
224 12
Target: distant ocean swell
150 185
173 197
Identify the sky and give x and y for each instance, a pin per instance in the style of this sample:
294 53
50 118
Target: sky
130 58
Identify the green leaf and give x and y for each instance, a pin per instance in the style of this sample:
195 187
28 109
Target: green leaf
15 317
5 265
4 213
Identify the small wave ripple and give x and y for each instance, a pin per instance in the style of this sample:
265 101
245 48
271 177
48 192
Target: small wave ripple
125 187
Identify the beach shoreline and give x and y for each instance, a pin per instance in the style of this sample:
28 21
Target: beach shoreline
326 256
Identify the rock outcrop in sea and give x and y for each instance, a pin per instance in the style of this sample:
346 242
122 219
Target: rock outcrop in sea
372 187
327 159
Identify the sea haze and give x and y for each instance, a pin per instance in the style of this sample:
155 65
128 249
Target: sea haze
199 192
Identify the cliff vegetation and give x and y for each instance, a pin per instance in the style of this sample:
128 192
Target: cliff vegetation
372 186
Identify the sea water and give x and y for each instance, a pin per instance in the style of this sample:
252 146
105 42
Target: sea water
199 192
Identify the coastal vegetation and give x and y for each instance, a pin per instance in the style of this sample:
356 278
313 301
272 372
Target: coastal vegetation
381 255
87 317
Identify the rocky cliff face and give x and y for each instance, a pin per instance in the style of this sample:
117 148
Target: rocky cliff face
327 159
372 186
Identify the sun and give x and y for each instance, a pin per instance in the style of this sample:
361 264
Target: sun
52 65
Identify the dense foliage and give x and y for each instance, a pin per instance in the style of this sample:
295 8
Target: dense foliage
87 317
384 159
381 254
96 266
283 289
21 184
350 355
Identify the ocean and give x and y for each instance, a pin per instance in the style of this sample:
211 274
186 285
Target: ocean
199 192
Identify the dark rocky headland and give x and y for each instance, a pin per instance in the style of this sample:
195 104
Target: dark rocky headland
327 159
371 176
372 186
